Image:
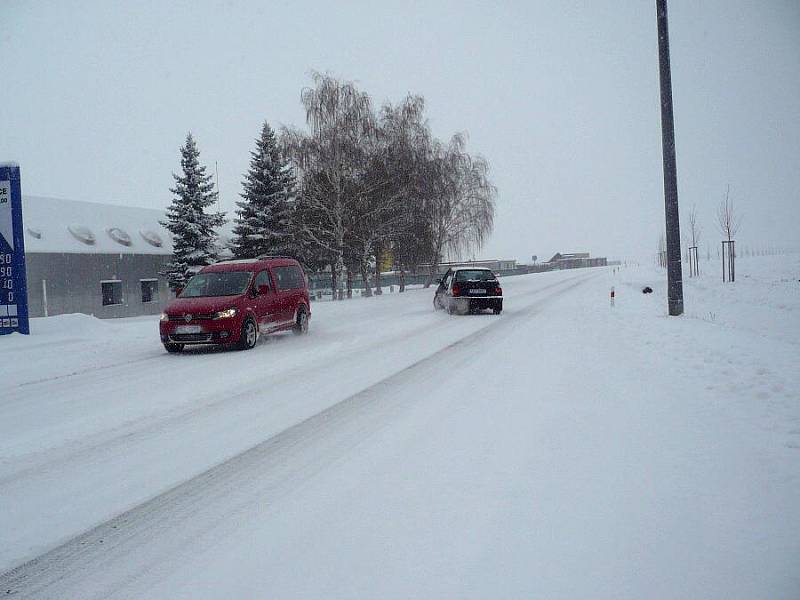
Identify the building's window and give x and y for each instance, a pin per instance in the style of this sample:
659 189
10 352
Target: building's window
149 290
112 292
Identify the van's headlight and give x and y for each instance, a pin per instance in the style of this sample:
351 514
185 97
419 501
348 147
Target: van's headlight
225 314
164 317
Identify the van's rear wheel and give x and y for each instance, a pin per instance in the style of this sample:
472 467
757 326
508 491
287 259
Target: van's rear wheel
249 335
301 323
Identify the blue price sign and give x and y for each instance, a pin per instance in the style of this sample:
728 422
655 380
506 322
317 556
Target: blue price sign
13 289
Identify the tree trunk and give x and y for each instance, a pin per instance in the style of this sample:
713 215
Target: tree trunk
349 283
435 264
365 278
432 273
378 254
339 270
340 231
334 282
401 276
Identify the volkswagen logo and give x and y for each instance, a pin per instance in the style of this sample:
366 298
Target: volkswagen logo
187 318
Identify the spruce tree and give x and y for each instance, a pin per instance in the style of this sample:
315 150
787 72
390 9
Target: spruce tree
263 221
193 230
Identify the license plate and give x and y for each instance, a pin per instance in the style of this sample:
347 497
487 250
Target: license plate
188 329
477 291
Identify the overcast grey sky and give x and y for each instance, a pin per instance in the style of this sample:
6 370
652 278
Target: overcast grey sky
561 97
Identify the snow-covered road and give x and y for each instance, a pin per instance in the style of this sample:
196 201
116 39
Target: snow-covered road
397 452
114 433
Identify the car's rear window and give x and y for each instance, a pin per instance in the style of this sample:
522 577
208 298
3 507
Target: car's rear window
475 275
229 283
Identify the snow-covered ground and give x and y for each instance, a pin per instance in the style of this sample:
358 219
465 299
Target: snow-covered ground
563 449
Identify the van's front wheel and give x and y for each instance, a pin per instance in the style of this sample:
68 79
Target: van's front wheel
249 335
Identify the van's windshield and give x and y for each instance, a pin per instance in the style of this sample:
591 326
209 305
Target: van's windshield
229 283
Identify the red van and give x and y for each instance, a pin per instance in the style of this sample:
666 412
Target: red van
233 301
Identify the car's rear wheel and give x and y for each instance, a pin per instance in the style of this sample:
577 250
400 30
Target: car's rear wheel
173 347
301 323
497 311
249 335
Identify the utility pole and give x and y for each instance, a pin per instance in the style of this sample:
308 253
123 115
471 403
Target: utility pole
674 277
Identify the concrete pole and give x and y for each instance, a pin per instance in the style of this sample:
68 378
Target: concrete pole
674 275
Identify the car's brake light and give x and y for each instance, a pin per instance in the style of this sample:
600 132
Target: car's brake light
498 291
456 290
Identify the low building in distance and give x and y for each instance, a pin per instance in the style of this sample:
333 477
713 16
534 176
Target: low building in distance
575 260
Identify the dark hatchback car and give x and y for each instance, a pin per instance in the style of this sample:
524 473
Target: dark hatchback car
469 290
232 302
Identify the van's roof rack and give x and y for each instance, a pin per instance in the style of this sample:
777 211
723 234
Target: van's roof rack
265 256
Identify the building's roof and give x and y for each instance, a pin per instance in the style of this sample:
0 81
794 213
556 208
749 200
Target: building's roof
71 226
569 256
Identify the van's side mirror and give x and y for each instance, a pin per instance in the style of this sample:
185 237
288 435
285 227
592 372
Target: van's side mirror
263 289
178 291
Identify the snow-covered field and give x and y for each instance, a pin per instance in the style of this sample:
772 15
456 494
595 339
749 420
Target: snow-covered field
563 449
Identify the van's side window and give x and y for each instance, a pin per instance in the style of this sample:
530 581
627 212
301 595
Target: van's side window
288 278
261 279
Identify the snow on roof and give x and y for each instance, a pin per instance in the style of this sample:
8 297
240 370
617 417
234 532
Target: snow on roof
71 226
238 261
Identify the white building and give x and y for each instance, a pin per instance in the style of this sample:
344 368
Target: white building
97 259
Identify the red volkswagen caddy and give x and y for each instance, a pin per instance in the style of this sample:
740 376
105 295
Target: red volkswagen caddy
233 301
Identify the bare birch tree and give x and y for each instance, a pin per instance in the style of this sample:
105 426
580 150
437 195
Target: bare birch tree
727 218
386 184
331 158
405 146
461 205
694 226
368 183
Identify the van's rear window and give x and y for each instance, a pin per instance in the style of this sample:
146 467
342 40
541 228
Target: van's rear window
230 283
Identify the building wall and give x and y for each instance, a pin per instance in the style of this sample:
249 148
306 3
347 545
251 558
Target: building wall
579 263
74 283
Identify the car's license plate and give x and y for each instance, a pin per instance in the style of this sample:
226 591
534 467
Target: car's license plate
188 329
477 291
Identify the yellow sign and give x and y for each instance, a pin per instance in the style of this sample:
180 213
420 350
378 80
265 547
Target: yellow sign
387 260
